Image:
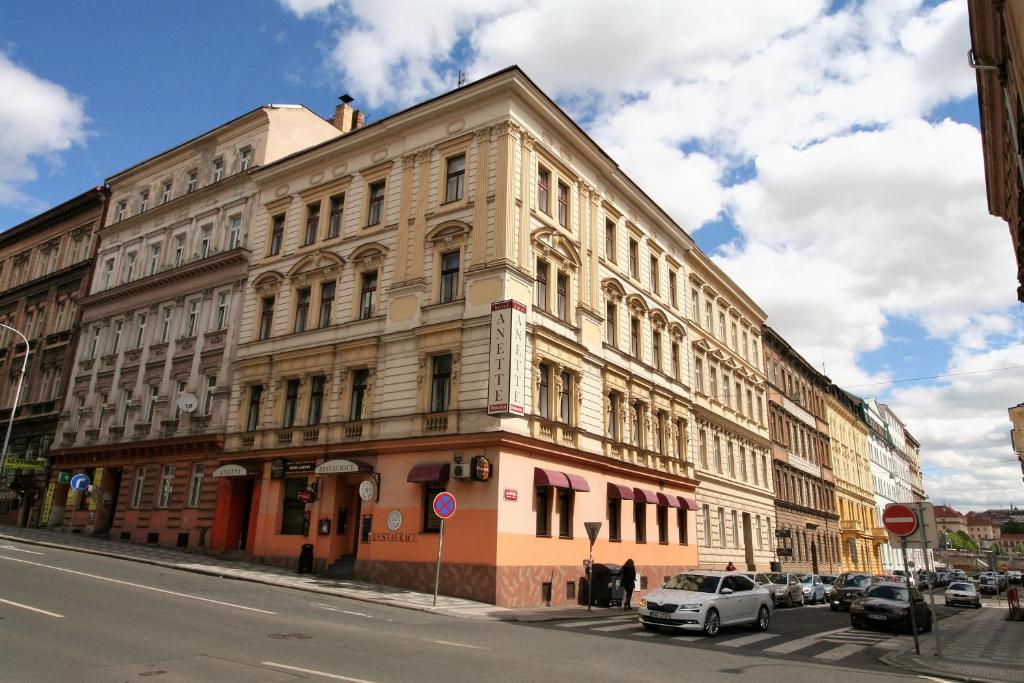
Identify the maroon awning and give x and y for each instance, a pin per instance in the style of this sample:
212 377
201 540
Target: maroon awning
577 483
429 472
668 501
550 478
619 491
642 496
688 503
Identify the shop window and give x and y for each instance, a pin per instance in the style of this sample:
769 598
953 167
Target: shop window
565 500
683 521
662 525
293 511
614 519
431 522
542 500
640 521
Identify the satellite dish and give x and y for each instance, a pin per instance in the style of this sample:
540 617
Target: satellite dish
187 403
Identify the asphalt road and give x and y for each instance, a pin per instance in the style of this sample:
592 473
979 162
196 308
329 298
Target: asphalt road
71 616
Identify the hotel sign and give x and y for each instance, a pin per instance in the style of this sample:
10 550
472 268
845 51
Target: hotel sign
506 385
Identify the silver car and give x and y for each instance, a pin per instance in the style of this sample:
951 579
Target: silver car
813 588
784 588
962 593
706 601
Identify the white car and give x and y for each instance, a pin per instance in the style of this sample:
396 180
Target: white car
706 601
962 593
813 588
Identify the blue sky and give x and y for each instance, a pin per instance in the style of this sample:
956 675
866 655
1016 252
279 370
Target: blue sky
752 124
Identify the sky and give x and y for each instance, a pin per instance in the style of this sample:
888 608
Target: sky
827 154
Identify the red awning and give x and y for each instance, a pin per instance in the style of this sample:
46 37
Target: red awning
429 472
577 483
550 478
642 496
668 501
619 491
688 503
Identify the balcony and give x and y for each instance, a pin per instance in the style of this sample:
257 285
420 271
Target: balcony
555 432
115 431
352 431
168 427
435 423
141 428
310 436
851 525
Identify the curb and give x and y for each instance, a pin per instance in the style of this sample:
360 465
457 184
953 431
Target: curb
893 661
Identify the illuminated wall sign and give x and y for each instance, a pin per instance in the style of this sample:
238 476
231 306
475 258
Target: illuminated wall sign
506 385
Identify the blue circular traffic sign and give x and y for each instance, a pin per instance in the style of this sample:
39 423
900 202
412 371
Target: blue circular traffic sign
80 482
444 505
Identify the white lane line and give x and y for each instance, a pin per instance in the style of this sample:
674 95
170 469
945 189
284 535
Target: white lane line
643 634
451 644
32 609
598 622
138 585
689 638
747 640
800 643
323 674
329 608
837 653
19 550
618 627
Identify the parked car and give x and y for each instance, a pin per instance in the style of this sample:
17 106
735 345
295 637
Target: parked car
813 588
829 580
888 605
960 574
962 593
930 580
989 584
903 576
785 589
706 601
850 586
1014 577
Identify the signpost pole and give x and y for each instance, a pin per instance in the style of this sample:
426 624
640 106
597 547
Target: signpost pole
928 569
437 572
910 599
590 579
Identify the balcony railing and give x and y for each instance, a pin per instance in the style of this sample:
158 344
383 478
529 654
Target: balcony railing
851 525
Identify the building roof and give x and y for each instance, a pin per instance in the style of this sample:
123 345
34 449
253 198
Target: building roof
946 511
1012 538
94 194
980 519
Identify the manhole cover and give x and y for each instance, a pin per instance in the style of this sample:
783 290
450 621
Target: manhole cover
153 673
290 636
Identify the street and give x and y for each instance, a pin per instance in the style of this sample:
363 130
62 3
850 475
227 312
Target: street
71 615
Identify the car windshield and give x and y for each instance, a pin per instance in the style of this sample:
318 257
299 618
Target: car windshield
854 581
777 578
888 593
961 587
829 580
697 583
806 578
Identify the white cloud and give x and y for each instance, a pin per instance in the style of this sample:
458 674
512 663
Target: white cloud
302 8
38 121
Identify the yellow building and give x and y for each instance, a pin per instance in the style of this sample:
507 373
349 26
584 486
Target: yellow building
855 497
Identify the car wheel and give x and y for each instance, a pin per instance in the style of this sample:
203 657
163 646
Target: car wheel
856 624
789 599
712 622
763 618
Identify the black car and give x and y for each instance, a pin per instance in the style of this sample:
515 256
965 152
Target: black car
848 587
988 584
887 605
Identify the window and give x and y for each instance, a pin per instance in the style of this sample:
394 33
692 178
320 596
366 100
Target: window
368 295
211 389
673 290
544 390
735 343
634 259
541 287
266 317
456 178
611 335
179 250
562 296
708 324
683 522
244 159
564 398
729 453
640 521
706 515
108 273
675 360
375 211
223 309
542 501
757 530
166 195
143 200
122 209
205 240
563 205
735 530
154 258
165 325
334 220
441 384
360 380
293 510
129 266
743 463
698 371
721 527
659 434
217 171
312 223
449 276
721 326
137 484
154 394
609 241
316 399
125 404
662 519
177 408
703 448
614 404
166 482
291 399
717 452
277 234
565 497
191 182
115 342
634 337
255 396
234 232
714 385
431 522
192 322
543 190
614 519
696 306
326 302
140 330
638 424
655 279
195 484
680 438
58 320
301 309
656 348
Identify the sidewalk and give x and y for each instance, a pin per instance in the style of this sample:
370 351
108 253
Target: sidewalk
240 570
977 645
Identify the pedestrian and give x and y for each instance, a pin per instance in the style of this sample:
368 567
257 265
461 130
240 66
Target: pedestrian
731 567
628 582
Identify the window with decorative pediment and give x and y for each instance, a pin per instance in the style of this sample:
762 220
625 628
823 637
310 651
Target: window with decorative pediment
266 289
369 264
554 291
446 245
312 287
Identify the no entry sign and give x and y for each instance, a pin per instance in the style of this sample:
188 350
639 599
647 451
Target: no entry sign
899 519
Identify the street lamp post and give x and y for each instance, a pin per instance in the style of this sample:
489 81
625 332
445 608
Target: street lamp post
14 403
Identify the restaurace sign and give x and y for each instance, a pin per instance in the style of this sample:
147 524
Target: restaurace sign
506 383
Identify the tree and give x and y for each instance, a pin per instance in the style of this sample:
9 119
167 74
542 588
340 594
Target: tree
996 548
959 539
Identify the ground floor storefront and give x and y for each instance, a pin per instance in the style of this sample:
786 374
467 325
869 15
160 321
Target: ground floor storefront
809 541
736 525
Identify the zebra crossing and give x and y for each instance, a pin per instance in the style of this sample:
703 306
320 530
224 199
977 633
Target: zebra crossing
825 646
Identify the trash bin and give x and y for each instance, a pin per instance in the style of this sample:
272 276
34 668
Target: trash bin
607 590
305 559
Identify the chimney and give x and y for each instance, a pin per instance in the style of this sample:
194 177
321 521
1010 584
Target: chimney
343 114
358 119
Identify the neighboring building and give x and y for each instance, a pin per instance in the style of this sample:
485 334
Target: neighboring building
1017 432
890 470
729 430
1003 515
45 263
805 486
949 520
913 455
855 496
147 402
369 356
982 529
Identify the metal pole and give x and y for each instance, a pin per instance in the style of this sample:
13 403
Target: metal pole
437 572
910 599
14 404
590 579
931 588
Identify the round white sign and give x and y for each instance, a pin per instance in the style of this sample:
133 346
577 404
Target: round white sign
187 402
366 490
394 520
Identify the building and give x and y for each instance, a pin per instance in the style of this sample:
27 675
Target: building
1017 432
146 405
982 529
1003 515
912 453
890 471
388 267
45 265
949 520
805 485
855 497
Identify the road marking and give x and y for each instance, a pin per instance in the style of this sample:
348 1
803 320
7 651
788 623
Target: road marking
618 627
643 634
19 550
451 644
138 585
747 640
329 608
324 674
800 643
839 652
32 609
688 638
598 622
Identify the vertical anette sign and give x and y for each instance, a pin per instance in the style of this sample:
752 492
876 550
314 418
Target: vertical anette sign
506 385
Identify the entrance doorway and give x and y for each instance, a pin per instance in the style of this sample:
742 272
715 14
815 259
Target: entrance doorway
748 544
814 557
106 506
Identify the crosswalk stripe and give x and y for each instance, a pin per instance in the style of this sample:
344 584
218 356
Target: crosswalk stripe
618 627
800 643
579 624
643 634
747 640
688 638
837 653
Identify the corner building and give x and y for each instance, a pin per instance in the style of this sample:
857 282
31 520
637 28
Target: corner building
363 373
